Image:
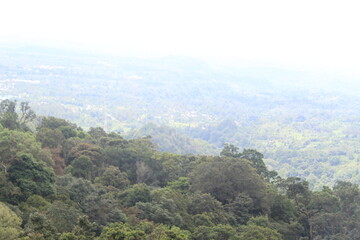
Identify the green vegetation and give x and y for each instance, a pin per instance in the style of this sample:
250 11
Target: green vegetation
303 127
60 182
10 223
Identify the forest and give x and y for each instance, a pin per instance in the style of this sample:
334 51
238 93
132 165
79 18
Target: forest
305 125
61 182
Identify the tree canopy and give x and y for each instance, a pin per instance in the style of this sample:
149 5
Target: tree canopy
63 183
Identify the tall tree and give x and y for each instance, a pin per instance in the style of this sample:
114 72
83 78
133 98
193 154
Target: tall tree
255 157
26 113
9 118
8 115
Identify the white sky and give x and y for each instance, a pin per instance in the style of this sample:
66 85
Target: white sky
315 34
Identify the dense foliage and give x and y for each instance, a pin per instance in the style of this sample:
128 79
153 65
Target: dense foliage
60 182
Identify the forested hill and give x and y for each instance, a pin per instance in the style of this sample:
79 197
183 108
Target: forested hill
60 182
305 124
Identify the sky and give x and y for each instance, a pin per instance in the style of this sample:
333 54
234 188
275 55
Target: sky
304 34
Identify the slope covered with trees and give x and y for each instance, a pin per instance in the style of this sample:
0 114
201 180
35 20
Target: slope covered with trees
60 182
303 126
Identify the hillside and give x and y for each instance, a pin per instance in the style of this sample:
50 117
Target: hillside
59 182
303 126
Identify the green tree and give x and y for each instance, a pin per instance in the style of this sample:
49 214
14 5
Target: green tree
102 210
78 189
112 176
10 223
164 232
9 192
83 167
92 199
68 131
241 208
349 196
94 152
62 216
255 157
68 145
181 184
135 159
121 231
38 227
135 193
167 206
223 232
14 142
55 123
97 133
283 209
309 204
31 177
164 212
26 113
71 236
8 115
34 203
50 138
254 232
225 178
230 150
84 229
173 166
10 119
203 202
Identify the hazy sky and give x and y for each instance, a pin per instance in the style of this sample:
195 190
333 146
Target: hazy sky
315 34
